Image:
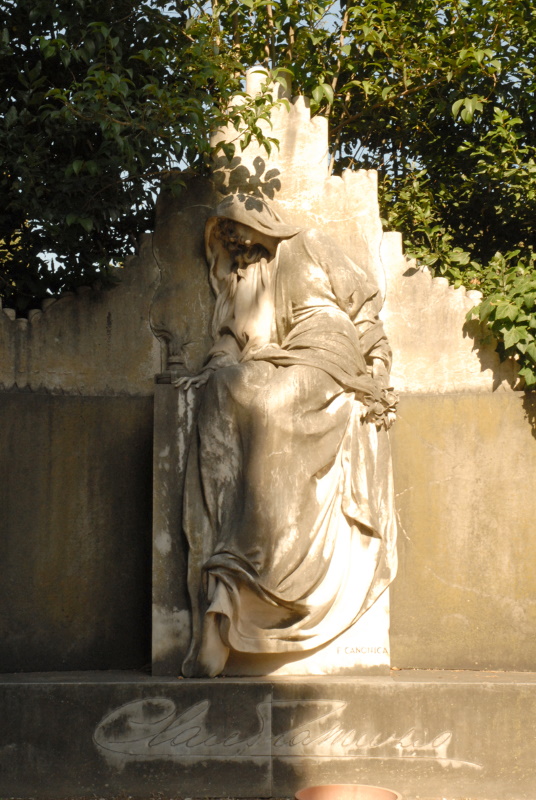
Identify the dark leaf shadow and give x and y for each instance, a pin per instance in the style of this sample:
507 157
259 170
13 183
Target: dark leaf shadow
529 407
231 177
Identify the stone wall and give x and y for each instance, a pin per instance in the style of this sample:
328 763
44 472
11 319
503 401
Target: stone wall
76 414
75 494
90 343
462 428
464 594
464 468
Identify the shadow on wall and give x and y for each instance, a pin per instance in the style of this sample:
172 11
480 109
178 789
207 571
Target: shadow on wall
75 494
488 357
529 407
436 348
231 177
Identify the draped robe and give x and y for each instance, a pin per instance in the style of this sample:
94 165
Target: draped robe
288 504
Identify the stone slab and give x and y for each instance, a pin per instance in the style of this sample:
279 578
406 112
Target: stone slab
425 738
84 736
75 531
464 468
428 735
171 616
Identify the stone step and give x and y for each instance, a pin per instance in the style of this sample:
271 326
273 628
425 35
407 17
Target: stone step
425 734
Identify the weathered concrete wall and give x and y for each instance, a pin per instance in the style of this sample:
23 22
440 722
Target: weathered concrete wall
465 596
435 349
181 311
76 416
75 517
75 520
93 342
436 354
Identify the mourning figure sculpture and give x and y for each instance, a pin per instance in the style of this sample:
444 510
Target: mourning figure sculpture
288 501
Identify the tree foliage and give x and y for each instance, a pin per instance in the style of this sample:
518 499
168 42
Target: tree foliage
101 102
102 99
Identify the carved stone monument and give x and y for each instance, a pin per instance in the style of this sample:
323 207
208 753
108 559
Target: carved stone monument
273 472
288 500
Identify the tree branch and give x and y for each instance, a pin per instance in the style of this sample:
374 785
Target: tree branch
365 111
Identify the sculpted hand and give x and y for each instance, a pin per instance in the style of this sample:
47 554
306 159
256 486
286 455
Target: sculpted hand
386 421
193 381
382 412
380 373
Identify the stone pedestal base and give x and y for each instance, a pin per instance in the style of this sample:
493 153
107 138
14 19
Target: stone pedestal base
427 735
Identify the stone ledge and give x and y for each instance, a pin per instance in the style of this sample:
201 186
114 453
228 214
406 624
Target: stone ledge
422 676
427 734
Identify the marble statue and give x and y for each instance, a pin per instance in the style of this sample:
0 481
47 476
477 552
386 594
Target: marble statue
288 500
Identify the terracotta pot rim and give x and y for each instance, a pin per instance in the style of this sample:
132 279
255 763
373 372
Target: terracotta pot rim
299 796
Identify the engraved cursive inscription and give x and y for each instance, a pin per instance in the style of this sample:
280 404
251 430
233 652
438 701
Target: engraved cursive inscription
154 728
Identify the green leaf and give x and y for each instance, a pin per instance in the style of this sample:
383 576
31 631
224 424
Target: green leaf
86 223
457 106
513 336
529 375
506 311
328 92
530 351
10 117
318 93
229 150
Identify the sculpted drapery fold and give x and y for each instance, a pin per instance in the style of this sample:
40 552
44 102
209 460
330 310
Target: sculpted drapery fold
288 505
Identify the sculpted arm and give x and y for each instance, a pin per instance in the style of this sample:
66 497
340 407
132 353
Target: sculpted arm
373 340
224 352
359 298
378 356
363 305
